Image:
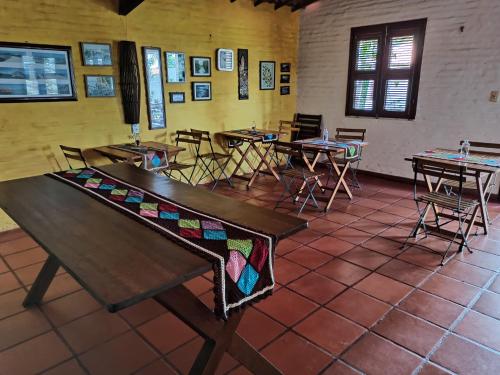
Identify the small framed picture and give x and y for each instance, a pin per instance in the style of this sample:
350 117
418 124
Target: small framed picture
201 66
99 86
285 90
285 67
176 67
96 54
201 91
285 78
177 97
266 76
225 60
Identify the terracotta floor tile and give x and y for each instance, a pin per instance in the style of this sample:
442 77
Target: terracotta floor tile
405 272
324 226
16 245
489 304
286 245
43 352
143 311
341 368
343 271
384 288
26 258
466 272
422 258
21 327
286 271
306 236
341 217
395 234
308 257
67 368
28 274
166 332
432 369
8 282
258 329
480 328
450 289
495 286
481 259
365 258
286 307
198 285
400 210
371 203
374 355
385 218
296 356
70 307
91 330
369 226
12 234
330 331
357 210
3 266
332 245
410 332
157 368
486 244
464 357
384 246
408 203
122 355
319 288
359 307
12 302
352 235
429 307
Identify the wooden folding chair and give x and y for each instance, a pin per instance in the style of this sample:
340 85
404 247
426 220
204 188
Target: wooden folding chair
189 138
461 209
73 153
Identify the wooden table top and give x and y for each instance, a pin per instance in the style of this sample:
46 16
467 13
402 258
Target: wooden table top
118 154
235 134
117 259
323 147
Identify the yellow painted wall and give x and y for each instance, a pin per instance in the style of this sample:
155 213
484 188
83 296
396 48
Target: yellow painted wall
31 132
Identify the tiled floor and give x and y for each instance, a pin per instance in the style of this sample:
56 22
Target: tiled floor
349 301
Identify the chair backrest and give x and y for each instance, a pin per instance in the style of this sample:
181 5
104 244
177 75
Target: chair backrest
185 136
440 169
288 148
309 125
288 127
345 134
484 148
73 153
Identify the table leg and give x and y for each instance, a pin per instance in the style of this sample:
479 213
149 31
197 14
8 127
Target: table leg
242 159
341 181
264 161
309 166
482 202
42 282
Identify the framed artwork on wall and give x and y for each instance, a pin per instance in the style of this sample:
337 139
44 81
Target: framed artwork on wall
154 87
285 78
35 72
201 66
267 75
177 97
96 54
201 91
285 67
176 67
225 60
99 86
242 74
285 90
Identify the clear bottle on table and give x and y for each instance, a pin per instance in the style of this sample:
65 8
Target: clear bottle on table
325 135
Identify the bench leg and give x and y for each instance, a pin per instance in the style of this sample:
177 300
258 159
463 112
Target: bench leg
42 282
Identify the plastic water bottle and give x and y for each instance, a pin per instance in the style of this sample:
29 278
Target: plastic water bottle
325 135
465 149
254 128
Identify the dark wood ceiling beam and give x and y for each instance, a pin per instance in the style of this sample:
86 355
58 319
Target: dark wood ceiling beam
302 4
293 4
258 2
127 6
281 3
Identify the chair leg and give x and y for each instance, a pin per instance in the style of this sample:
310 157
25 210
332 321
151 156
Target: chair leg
420 222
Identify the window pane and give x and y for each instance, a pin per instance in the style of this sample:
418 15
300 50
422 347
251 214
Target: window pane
396 94
363 95
401 52
366 54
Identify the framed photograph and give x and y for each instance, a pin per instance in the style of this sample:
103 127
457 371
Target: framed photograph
201 66
242 74
285 67
201 91
267 75
96 54
285 90
35 72
176 67
285 78
99 86
177 97
225 60
153 75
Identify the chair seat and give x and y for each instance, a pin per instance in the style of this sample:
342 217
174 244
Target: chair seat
215 156
449 202
466 185
291 172
178 166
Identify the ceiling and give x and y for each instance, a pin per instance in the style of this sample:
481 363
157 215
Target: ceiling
293 4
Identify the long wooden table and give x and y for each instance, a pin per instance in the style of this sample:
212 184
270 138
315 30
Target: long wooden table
122 262
115 154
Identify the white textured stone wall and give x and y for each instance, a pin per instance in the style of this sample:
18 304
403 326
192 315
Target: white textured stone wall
459 70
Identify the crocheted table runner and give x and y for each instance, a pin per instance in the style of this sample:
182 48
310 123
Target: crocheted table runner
455 156
351 148
152 158
242 258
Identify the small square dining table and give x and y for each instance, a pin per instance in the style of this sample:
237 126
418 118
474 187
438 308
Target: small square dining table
116 154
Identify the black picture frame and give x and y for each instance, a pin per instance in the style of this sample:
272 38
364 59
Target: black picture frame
90 94
8 48
285 67
156 107
285 90
172 100
180 69
285 78
267 68
87 61
195 97
192 63
242 66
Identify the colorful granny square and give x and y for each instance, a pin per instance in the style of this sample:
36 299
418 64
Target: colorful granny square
148 213
190 233
186 223
235 265
248 279
214 235
149 206
169 215
214 225
119 192
93 183
259 254
244 246
134 199
84 175
135 193
72 172
107 187
118 198
167 207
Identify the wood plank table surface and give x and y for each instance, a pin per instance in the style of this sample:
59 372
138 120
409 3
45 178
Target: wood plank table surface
116 154
122 262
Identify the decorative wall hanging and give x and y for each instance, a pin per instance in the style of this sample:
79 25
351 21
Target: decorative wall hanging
129 82
99 86
177 97
35 72
96 54
267 75
242 74
153 75
201 66
285 90
225 60
176 67
201 91
285 67
285 78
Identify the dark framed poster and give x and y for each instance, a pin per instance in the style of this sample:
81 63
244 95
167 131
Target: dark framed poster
154 87
36 72
267 73
242 74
